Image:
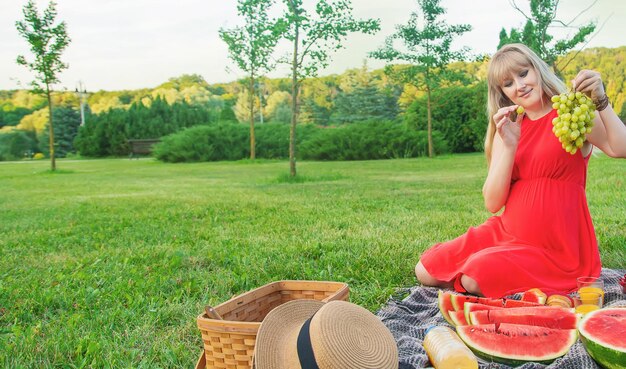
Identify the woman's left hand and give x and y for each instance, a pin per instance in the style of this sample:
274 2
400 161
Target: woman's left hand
590 83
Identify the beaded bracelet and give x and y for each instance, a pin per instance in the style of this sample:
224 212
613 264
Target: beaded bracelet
602 102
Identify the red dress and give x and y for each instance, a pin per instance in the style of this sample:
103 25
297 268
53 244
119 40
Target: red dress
543 239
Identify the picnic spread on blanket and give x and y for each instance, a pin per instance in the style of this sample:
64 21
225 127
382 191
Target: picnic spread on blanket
593 340
310 324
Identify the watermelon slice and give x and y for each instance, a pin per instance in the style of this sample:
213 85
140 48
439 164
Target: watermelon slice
603 333
510 303
474 306
459 301
535 295
458 317
515 344
542 316
445 305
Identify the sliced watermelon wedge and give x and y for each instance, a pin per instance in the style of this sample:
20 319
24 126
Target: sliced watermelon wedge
603 334
535 295
541 316
515 344
458 317
474 306
459 301
511 303
445 305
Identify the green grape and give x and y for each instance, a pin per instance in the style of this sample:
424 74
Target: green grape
579 142
575 114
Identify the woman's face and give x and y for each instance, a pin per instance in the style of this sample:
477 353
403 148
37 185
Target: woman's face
522 88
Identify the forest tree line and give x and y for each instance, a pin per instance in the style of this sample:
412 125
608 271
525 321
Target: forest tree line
328 103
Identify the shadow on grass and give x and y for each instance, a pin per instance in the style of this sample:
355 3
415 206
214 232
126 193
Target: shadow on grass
286 178
54 172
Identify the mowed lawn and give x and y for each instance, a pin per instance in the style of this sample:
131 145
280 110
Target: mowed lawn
107 263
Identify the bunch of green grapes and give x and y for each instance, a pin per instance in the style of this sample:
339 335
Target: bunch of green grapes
574 120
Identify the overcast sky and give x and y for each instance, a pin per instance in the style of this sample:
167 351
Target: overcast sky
131 44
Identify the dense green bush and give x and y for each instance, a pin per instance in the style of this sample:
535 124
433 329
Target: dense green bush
16 145
229 141
358 141
369 141
272 140
108 133
204 143
459 113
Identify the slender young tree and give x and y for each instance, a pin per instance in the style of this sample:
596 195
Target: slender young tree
251 47
535 32
427 52
47 41
313 37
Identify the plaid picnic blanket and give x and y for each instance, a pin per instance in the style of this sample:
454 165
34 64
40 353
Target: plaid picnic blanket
409 318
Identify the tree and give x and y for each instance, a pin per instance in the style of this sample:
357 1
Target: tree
535 32
242 107
47 41
251 47
364 97
313 38
427 51
16 145
65 130
277 105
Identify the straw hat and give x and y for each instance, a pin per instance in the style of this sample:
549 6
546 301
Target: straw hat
342 336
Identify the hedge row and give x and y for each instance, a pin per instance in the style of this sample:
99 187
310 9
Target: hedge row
356 141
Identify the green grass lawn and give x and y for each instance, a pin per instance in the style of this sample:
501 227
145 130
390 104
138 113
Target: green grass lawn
106 263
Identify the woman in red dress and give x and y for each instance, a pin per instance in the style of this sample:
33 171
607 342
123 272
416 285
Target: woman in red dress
544 238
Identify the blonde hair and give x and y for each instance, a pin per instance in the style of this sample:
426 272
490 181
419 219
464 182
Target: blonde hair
513 58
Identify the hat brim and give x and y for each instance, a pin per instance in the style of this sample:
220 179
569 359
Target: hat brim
278 331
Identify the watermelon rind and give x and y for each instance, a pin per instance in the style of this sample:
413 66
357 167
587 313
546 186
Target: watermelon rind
458 317
458 301
535 295
445 304
527 338
607 355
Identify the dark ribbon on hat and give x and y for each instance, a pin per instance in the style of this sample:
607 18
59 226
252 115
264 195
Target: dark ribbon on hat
305 349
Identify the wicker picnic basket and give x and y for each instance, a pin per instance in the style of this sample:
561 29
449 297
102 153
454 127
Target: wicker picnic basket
229 343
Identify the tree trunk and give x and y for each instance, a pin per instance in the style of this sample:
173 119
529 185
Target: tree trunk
430 126
53 165
251 100
294 102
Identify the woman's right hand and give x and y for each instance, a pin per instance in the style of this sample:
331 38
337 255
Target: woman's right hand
508 129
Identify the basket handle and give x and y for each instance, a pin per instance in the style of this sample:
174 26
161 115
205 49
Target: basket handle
212 313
